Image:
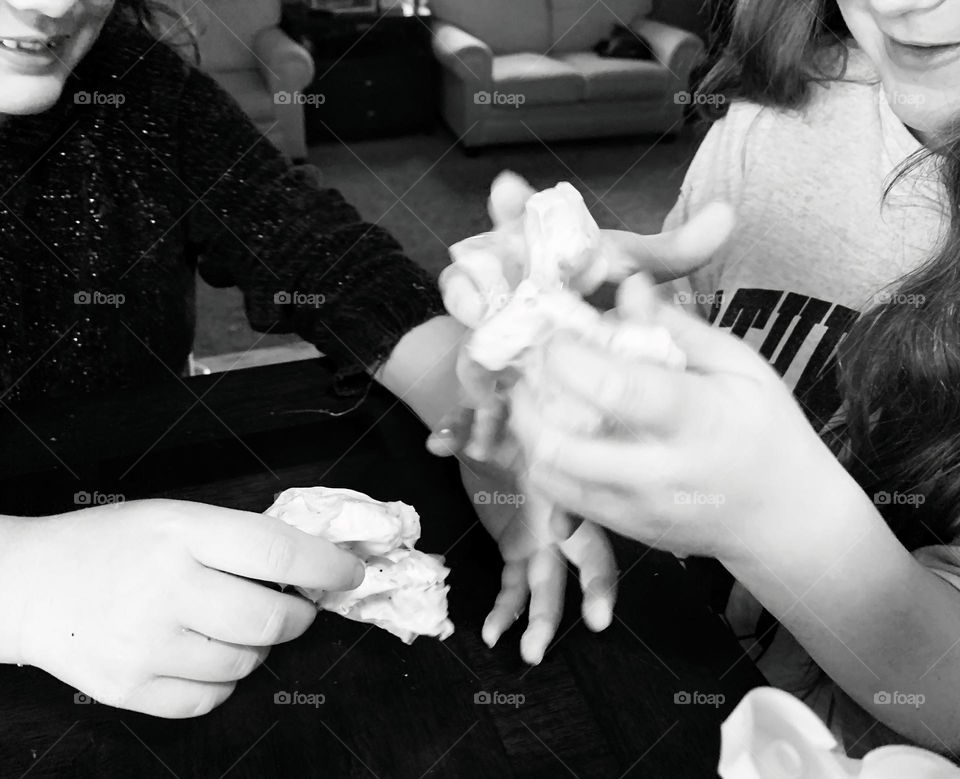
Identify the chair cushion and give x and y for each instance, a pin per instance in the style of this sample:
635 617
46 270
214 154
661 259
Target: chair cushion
579 25
620 79
540 80
249 90
226 29
506 26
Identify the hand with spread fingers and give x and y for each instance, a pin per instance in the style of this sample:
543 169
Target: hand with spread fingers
556 241
535 559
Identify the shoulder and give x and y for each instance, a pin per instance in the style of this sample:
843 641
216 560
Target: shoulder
130 62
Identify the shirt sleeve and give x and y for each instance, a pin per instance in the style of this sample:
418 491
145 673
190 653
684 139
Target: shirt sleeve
302 256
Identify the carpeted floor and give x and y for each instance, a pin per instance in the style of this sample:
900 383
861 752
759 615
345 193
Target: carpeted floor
429 194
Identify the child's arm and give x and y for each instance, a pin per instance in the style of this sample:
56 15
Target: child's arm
869 614
723 463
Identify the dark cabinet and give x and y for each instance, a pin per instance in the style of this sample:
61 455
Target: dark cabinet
375 75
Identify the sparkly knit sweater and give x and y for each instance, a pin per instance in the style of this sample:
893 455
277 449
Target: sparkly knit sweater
143 173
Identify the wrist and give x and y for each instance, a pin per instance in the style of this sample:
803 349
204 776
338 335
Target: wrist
422 369
797 540
20 574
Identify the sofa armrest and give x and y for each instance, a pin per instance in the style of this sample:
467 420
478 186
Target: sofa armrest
678 50
465 55
284 63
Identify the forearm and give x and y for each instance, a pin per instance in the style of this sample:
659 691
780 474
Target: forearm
17 565
421 370
872 617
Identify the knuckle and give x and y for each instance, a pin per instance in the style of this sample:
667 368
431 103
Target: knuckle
280 554
274 627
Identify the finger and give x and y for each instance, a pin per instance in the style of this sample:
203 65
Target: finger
202 659
478 384
510 602
452 434
547 576
708 349
604 506
488 427
509 194
238 611
466 298
638 300
597 461
268 549
676 253
589 549
177 698
564 525
648 398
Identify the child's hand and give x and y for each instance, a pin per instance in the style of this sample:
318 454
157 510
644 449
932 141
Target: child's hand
141 605
498 258
718 460
535 562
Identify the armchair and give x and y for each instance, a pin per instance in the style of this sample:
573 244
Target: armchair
242 47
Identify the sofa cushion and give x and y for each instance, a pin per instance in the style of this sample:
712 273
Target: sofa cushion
506 26
620 79
579 25
534 79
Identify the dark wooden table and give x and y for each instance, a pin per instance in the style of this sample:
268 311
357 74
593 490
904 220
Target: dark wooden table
598 706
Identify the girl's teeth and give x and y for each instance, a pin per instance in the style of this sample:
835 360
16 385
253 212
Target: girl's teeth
33 46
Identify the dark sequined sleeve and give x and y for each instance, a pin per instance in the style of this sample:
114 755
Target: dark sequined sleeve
304 259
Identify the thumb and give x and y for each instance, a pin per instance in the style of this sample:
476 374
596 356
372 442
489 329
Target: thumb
673 254
509 194
708 349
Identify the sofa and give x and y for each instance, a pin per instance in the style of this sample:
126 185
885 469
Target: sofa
522 70
241 45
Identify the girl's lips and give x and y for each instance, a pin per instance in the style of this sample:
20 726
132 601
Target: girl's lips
32 56
915 57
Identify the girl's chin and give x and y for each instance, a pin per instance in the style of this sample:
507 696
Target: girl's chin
21 95
930 113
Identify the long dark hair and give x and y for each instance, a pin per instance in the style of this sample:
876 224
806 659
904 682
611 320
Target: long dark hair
899 367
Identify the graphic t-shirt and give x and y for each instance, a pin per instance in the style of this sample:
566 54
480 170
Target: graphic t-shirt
816 244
